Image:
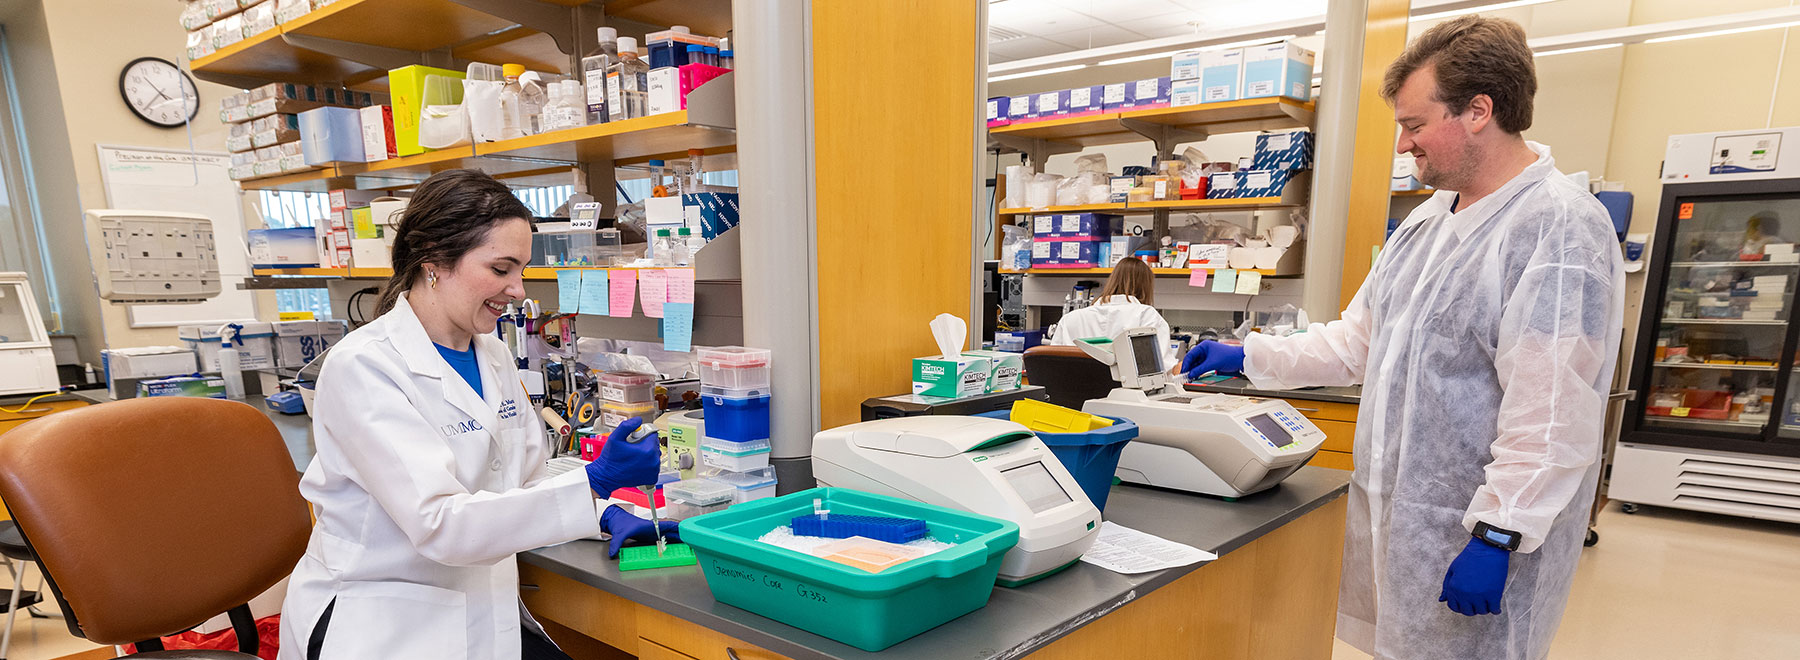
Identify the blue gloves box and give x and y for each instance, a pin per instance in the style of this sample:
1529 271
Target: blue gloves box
1053 253
1084 101
1049 104
1150 93
1084 226
996 111
1018 107
1115 97
1290 150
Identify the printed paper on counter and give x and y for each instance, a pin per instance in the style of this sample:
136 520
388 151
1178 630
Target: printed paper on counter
1125 550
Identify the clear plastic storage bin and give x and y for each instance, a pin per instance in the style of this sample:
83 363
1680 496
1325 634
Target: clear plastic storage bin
627 387
738 419
696 497
614 413
734 456
750 485
734 367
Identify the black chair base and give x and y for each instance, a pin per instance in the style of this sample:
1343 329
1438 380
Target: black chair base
26 599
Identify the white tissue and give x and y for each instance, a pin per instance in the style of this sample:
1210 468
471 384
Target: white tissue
1283 236
1267 257
1243 257
950 333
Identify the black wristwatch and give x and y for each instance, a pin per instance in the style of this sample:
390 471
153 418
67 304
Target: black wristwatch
1500 538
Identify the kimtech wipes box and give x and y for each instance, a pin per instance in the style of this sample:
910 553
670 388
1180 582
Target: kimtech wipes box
950 374
1005 370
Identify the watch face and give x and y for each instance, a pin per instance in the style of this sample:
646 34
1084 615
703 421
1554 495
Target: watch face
159 92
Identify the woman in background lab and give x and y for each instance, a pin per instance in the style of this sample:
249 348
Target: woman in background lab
1124 303
429 474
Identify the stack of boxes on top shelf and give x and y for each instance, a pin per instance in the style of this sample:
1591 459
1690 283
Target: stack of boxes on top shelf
215 24
1195 77
680 62
1074 240
265 137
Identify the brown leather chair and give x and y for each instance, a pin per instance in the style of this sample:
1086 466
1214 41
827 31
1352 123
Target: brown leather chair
150 516
1068 375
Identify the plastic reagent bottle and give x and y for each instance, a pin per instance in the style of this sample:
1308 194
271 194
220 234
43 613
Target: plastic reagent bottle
665 252
593 74
681 253
631 80
657 189
513 119
229 367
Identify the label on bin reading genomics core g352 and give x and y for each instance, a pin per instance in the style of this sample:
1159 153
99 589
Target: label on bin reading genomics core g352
772 582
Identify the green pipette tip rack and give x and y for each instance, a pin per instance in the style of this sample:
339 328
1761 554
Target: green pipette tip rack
644 556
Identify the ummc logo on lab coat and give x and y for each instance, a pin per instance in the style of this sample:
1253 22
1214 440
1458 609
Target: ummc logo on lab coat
459 428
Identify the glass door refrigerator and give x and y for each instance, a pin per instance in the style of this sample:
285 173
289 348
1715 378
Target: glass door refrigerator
1715 425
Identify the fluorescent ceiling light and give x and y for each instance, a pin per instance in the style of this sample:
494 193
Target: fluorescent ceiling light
1471 10
1581 49
1138 58
1715 33
1039 72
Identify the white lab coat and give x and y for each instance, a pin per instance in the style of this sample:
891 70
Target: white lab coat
424 493
1485 341
1110 316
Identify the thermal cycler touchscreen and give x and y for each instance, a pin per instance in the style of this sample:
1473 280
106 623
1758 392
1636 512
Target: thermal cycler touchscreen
1272 430
1149 356
1035 485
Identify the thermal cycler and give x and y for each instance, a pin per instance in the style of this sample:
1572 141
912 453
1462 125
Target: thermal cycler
983 465
1217 444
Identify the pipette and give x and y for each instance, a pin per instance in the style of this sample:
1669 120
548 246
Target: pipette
645 431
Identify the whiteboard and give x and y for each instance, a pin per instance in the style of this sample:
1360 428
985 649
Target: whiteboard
152 179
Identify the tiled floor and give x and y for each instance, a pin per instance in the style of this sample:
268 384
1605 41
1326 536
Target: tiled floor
1680 585
1661 584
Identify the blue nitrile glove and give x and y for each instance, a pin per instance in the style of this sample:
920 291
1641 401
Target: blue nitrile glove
624 464
1476 579
1213 356
626 527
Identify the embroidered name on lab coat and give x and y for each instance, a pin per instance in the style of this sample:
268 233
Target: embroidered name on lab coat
508 409
459 428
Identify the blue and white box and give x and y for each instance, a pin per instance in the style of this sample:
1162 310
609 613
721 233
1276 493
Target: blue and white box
1084 101
331 135
1079 226
1185 92
1288 150
1067 254
996 111
1049 104
293 247
1185 65
1278 69
1114 97
1260 183
1018 107
1221 71
1150 93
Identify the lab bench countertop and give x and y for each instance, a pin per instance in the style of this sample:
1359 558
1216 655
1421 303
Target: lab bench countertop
296 430
1241 386
1015 621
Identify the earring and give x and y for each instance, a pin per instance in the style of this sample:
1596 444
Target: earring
431 278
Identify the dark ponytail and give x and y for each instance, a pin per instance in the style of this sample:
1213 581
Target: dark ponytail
447 216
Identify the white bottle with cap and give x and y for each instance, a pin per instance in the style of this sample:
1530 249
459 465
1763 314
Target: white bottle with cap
593 73
628 83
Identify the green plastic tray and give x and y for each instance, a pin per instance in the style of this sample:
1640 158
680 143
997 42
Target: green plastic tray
870 611
644 556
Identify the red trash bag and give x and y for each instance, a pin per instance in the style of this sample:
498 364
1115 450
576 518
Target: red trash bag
268 638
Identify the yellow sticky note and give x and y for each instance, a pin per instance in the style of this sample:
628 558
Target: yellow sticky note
1249 283
1680 412
296 316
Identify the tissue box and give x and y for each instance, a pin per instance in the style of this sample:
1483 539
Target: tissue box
1116 96
1291 150
298 342
1004 369
378 133
1186 65
1246 184
1185 92
1221 71
146 362
1083 101
1279 69
1017 108
256 348
996 111
951 377
211 387
295 247
1150 93
1070 253
331 135
1083 226
1047 105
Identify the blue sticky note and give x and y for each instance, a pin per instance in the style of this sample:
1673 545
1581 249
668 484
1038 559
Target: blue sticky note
678 327
568 291
1224 281
593 292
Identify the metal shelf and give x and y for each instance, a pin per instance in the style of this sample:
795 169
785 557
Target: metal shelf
1722 322
1703 365
1702 423
1729 264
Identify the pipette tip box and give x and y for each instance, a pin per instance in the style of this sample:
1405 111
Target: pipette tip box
842 526
644 556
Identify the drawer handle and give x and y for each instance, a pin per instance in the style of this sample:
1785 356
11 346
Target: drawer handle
1306 410
730 653
527 587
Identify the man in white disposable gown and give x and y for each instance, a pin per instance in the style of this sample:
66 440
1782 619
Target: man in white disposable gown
1485 339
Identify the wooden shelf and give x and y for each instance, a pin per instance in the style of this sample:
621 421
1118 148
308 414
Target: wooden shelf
1415 193
668 134
1265 114
1160 272
1198 205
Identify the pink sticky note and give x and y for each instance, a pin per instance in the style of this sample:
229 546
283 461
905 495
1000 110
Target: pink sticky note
623 289
1197 277
654 291
681 285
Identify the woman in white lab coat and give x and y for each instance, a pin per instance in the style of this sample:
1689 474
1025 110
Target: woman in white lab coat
1123 304
429 474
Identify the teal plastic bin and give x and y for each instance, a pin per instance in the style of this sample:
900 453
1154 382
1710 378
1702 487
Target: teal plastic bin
870 611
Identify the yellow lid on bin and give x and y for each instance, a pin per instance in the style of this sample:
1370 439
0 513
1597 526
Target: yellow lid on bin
1051 418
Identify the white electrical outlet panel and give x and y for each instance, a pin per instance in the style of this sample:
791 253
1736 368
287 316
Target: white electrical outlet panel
154 256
